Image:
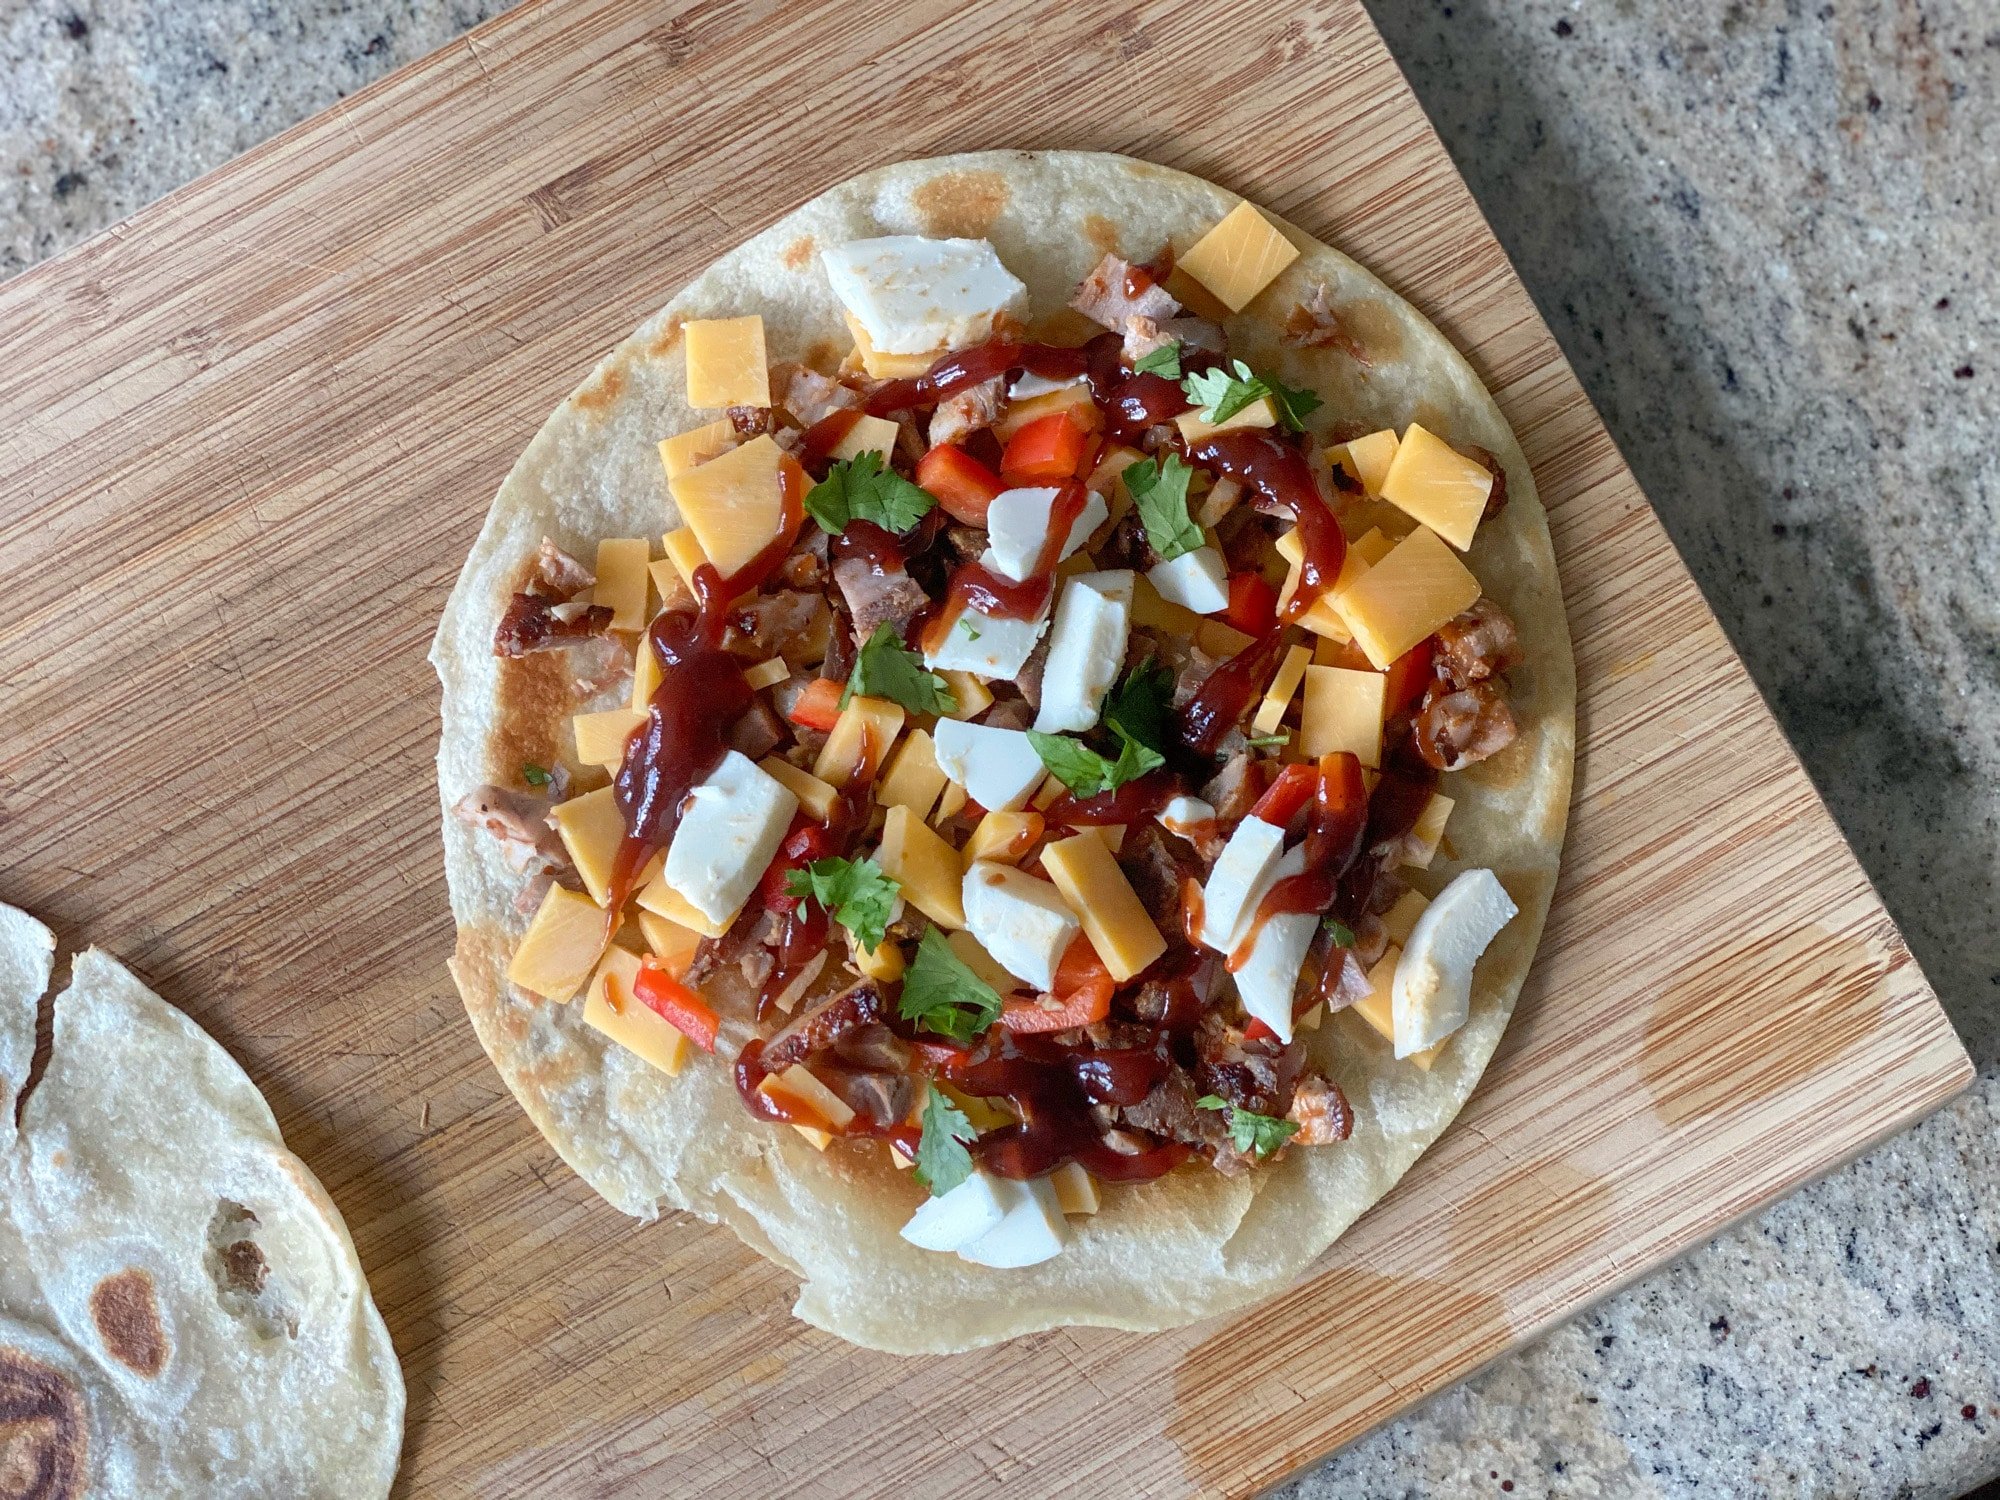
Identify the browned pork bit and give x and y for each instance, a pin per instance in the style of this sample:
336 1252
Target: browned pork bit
1256 1075
1107 296
1234 790
1126 545
1156 865
1192 667
875 1048
758 731
749 421
1462 728
1496 498
965 412
766 625
557 574
883 1098
877 596
1478 644
1170 1111
1143 337
808 396
1315 324
520 821
1196 333
537 622
1320 1111
811 1031
1009 713
600 664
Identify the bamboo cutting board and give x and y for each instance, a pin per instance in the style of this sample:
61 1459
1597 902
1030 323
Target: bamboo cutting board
248 437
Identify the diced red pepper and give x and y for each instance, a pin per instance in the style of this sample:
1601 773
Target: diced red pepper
1409 674
962 484
1079 966
1253 603
1257 1031
1284 798
1082 1007
806 842
942 1059
818 707
1047 449
677 1005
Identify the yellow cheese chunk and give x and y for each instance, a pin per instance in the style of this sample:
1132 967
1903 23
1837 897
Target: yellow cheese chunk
798 1085
767 673
1428 831
984 1114
1239 257
887 366
1003 837
683 550
1113 917
926 867
1400 920
726 365
1278 696
1073 401
622 580
1407 595
656 896
695 447
973 696
560 947
1329 652
913 778
1075 1189
1109 470
1370 547
949 804
885 965
1113 835
1262 412
860 740
1343 711
972 953
1366 459
1311 1019
646 667
1323 619
1156 613
735 504
592 829
815 796
612 1010
1195 297
1045 798
672 944
1377 1011
601 738
1432 481
867 435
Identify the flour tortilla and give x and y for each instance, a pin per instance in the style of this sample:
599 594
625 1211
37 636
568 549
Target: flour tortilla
1194 1243
131 1363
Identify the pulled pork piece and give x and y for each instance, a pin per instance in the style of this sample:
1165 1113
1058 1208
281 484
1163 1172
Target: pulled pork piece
1142 337
1192 667
1478 644
1116 290
815 1030
762 628
559 575
1344 979
600 664
883 1098
1196 333
1157 866
1253 1075
1320 1111
876 597
746 935
1170 1111
520 821
1314 324
536 622
876 1048
1458 729
1126 546
1496 498
758 732
1234 790
808 396
969 410
749 421
1010 713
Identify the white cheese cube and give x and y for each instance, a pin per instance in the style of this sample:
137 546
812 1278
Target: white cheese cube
1087 650
1032 1231
951 1220
998 768
1021 920
1197 580
1031 384
986 647
1270 975
1432 993
915 295
730 831
1243 872
1184 816
1017 526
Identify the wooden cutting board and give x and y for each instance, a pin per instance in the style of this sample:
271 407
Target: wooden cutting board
248 437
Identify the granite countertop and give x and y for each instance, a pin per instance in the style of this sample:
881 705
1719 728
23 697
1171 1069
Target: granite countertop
1762 231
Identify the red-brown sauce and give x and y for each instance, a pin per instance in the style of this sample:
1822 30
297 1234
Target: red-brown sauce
1052 1088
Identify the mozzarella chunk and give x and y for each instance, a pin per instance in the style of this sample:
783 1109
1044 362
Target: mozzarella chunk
998 768
1031 384
1243 872
1033 1230
731 829
985 646
1020 919
1093 618
1270 975
955 1219
1017 526
1432 993
1197 580
1184 815
915 295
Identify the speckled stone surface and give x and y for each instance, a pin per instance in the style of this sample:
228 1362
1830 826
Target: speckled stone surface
1763 230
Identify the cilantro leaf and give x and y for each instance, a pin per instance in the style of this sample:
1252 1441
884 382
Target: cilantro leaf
1164 361
1159 487
1343 935
1137 707
1294 403
854 892
942 1160
861 489
1221 395
535 775
1260 740
886 668
1251 1132
1087 773
941 994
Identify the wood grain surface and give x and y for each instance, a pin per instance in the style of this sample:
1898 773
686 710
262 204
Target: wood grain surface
247 438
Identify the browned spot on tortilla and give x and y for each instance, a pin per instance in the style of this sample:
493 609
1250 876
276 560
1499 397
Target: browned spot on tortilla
1760 1018
666 340
44 1431
961 203
244 1266
798 252
536 696
1102 233
1553 1206
1367 331
823 356
127 1316
1300 1370
1065 327
603 390
1509 768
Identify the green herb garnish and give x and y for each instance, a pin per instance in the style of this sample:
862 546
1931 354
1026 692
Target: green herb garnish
1164 361
1249 1131
861 489
1138 707
941 994
1295 404
1342 934
1259 740
535 775
1084 771
1222 395
942 1160
886 668
854 892
1159 487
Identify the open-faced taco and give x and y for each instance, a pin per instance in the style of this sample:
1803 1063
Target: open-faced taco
1011 745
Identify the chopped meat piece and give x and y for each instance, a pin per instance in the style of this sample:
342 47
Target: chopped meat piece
785 695
876 1048
968 543
1496 498
1157 866
1009 713
875 597
802 571
841 647
883 1098
746 935
968 410
758 732
1161 435
749 421
1192 667
536 622
756 965
1170 1110
1314 324
1234 790
1478 644
808 396
1344 980
1113 292
1458 729
557 574
762 628
1142 337
1126 546
1371 939
814 1030
1320 1111
790 440
519 820
599 665
1196 333
1029 678
909 441
1256 1075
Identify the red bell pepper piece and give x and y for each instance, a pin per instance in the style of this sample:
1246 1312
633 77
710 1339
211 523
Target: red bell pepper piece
1047 449
962 484
806 842
942 1059
1409 674
1283 798
1253 603
818 707
1083 1007
677 1005
1257 1031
